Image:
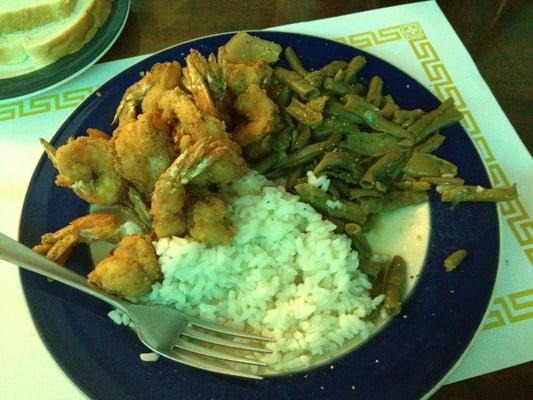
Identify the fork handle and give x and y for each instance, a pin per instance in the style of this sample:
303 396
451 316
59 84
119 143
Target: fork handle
18 254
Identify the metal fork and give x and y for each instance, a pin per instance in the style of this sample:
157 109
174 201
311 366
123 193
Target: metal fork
163 329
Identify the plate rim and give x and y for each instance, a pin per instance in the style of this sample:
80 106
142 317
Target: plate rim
440 383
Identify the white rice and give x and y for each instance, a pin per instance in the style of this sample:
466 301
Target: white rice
286 276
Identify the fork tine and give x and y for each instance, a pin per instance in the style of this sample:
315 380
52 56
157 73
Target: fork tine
201 363
196 334
228 331
198 349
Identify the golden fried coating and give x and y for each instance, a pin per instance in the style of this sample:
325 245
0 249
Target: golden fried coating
95 226
143 150
207 222
131 269
85 165
260 111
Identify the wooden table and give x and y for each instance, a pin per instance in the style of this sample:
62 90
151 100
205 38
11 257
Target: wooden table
496 33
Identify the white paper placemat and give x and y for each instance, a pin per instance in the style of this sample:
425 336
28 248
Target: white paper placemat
418 39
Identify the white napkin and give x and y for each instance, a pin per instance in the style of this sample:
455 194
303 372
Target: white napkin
418 39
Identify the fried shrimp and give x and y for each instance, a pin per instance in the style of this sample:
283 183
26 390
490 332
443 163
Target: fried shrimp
241 76
176 105
144 95
85 165
195 80
207 222
208 161
260 111
143 150
130 270
106 226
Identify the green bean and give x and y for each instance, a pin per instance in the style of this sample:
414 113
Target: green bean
293 61
331 124
293 176
284 97
340 87
453 260
318 103
458 194
339 160
310 152
407 117
389 107
260 147
359 241
423 164
373 96
385 169
296 83
332 68
339 223
302 113
283 140
371 205
302 138
369 144
431 144
323 202
286 118
373 118
416 186
359 193
354 66
267 163
334 109
345 176
315 78
400 199
394 282
446 114
442 180
339 75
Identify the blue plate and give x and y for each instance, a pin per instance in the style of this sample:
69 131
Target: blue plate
68 67
407 359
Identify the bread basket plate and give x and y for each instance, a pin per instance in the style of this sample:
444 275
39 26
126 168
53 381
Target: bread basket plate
28 78
409 358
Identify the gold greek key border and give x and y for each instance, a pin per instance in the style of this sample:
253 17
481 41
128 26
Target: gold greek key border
510 309
43 104
514 211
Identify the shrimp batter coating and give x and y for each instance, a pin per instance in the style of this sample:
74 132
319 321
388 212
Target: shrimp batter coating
260 111
175 104
58 245
241 76
143 150
208 161
207 222
86 166
131 269
144 95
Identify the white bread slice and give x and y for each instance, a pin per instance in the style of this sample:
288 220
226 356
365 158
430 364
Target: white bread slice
20 15
47 43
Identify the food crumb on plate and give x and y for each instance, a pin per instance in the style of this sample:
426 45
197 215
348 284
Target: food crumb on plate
377 361
331 366
149 357
321 387
353 387
98 94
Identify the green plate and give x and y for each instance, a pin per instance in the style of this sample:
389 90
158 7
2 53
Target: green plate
32 79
